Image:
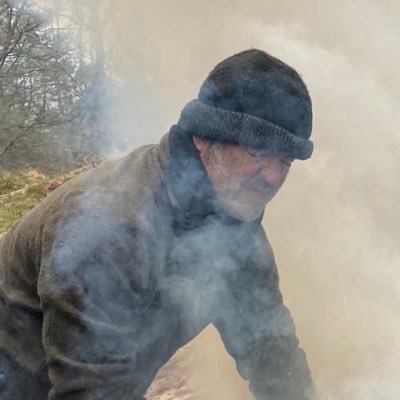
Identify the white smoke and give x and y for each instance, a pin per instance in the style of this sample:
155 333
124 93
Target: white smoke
334 226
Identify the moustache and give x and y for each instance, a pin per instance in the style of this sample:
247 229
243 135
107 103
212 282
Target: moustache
259 185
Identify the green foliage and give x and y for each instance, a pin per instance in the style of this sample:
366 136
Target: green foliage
20 192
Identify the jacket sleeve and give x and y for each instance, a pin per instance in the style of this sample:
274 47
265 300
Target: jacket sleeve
91 295
259 333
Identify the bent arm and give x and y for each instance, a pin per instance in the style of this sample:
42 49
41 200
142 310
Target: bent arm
259 333
91 304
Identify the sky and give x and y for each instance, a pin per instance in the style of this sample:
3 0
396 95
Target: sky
334 226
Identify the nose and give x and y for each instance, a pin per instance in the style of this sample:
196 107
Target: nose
273 172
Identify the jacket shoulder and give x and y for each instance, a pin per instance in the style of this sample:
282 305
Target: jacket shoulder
117 196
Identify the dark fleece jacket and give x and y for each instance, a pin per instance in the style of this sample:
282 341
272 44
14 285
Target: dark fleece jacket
118 268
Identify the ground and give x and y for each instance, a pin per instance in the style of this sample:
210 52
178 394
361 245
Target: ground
21 191
202 370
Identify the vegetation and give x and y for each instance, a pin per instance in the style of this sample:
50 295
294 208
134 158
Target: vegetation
54 85
19 192
54 96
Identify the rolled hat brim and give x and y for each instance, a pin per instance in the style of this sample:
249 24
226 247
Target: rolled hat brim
229 126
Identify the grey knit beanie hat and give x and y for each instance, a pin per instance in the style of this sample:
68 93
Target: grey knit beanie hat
255 100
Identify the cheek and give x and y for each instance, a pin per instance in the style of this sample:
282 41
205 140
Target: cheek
285 174
281 177
243 169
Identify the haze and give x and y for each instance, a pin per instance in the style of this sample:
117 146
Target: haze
335 225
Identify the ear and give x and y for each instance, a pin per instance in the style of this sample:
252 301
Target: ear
201 144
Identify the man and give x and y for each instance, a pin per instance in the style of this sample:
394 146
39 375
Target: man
114 271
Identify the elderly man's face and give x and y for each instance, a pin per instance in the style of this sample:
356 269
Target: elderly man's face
244 179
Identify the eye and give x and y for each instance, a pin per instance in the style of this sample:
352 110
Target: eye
257 157
257 154
253 153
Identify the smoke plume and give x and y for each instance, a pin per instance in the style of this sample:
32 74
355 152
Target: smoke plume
334 225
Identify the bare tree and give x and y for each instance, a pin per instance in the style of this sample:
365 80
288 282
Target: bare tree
53 80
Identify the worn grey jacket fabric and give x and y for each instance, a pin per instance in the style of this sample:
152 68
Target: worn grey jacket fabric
118 268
